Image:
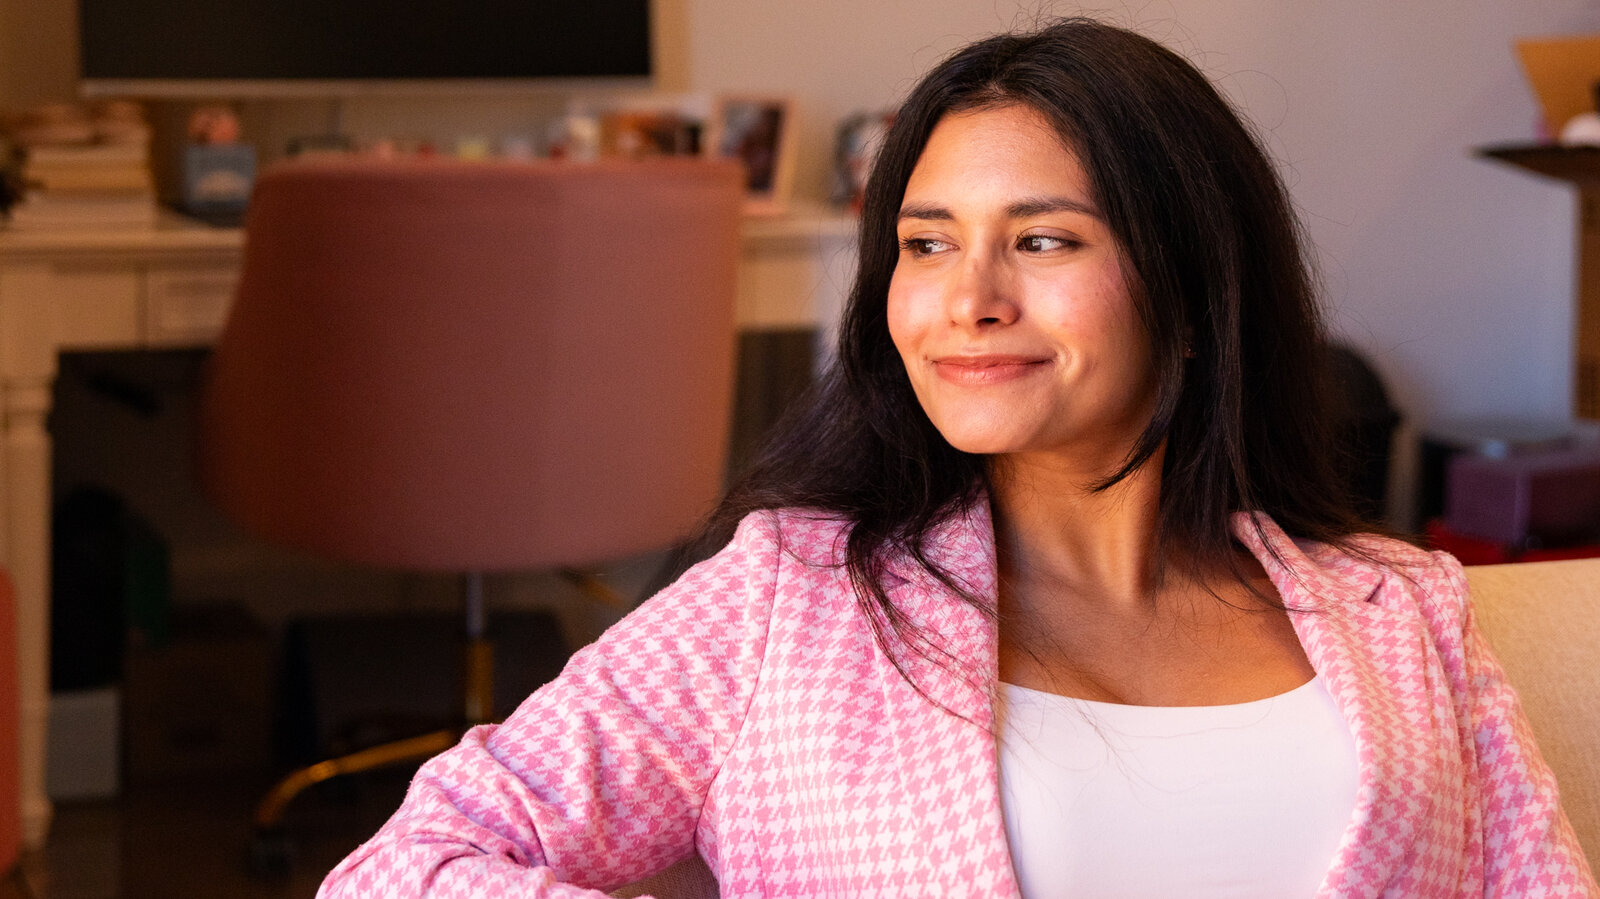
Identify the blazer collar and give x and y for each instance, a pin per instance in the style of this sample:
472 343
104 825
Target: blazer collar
1375 661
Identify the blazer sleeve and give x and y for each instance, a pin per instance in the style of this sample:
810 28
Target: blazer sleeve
1529 846
598 778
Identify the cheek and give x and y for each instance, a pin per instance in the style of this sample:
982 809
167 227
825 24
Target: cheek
901 319
1101 313
1123 333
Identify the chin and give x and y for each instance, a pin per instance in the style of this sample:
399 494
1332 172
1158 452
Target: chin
982 444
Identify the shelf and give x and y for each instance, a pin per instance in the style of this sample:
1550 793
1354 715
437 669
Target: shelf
1580 165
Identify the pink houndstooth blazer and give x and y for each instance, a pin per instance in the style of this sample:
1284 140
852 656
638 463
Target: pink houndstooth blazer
746 713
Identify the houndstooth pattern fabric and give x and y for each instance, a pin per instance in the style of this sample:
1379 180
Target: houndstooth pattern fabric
747 714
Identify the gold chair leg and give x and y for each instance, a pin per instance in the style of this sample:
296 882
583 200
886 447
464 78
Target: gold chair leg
269 812
271 850
593 587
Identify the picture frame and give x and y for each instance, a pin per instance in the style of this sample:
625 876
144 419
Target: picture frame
758 130
855 148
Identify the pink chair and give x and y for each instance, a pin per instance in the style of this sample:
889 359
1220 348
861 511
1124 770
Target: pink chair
475 367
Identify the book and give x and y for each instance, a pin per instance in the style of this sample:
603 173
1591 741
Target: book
120 177
88 167
51 210
88 154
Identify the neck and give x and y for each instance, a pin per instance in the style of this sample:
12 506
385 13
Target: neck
1053 530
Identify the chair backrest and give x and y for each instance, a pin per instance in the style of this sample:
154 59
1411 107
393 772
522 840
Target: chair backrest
1543 620
477 366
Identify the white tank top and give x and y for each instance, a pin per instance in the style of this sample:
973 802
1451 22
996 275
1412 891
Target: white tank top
1105 800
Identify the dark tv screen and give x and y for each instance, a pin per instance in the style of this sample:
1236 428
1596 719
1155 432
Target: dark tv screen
363 40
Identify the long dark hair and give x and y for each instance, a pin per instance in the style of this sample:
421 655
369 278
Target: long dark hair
1214 254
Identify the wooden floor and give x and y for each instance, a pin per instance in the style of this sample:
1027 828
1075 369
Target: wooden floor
194 841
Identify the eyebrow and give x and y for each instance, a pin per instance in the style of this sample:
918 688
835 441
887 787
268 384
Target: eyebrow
1020 209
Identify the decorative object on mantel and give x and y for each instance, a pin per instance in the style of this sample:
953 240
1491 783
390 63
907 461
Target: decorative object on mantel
1563 72
1582 130
218 170
854 149
760 132
629 126
636 133
577 134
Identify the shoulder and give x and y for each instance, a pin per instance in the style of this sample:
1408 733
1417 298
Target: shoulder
773 554
728 607
1431 583
812 537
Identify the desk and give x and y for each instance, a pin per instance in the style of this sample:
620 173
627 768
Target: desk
171 286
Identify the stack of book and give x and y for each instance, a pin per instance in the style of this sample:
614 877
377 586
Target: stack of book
103 185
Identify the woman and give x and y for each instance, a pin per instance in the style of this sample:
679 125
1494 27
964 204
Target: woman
1046 591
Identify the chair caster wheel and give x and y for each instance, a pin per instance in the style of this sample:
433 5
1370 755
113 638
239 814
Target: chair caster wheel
271 854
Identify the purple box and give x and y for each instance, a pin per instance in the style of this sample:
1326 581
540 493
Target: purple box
1548 497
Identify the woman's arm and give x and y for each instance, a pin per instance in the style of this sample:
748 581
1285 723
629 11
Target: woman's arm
598 778
1529 847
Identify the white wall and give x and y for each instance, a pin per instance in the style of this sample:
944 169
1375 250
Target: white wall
1456 273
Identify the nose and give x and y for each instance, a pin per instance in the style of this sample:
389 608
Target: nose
981 295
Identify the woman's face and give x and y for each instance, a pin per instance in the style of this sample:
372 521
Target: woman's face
1008 304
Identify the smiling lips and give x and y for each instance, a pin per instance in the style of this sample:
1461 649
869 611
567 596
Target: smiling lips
986 369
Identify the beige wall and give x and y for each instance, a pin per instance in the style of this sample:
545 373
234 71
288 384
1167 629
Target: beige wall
37 57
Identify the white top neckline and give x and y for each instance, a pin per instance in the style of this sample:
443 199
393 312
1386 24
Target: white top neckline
1134 712
1118 801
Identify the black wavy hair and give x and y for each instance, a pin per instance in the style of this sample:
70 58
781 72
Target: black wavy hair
1216 265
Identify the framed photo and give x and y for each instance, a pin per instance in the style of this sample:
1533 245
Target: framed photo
855 149
760 132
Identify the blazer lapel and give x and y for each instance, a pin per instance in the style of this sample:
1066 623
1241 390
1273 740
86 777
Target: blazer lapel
1375 663
950 771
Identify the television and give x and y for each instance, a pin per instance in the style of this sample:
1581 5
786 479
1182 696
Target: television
265 48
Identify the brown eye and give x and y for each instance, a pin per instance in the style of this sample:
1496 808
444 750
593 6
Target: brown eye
922 246
1045 243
